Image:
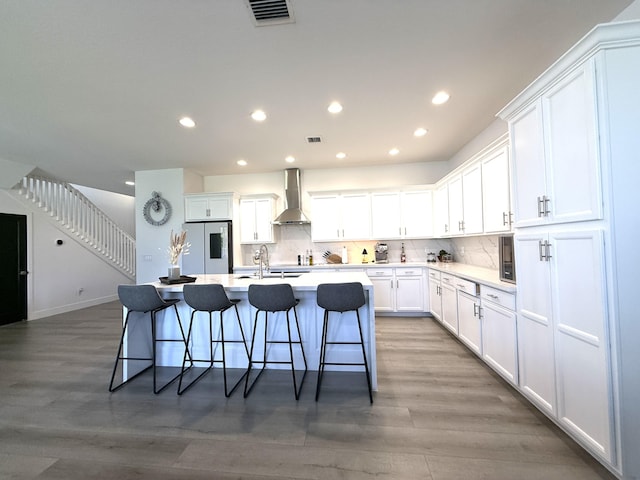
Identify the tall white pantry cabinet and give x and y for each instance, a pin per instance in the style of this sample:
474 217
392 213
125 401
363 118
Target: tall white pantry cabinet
575 158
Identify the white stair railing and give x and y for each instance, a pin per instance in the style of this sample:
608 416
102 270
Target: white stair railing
81 217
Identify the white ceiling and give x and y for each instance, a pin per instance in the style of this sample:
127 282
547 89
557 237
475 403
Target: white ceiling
91 91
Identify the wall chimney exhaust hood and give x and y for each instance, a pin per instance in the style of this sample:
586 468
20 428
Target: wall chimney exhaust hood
293 214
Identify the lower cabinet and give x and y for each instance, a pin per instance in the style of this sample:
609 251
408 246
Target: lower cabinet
562 341
449 302
435 293
469 322
383 292
499 332
398 290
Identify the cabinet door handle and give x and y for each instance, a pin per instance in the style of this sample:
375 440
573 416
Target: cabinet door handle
475 310
480 315
541 250
548 251
540 207
446 228
545 205
505 219
510 218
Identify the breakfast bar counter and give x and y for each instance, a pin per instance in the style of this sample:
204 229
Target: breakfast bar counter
309 315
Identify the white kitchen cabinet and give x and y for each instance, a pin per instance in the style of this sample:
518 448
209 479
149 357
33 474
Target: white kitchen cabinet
469 323
383 291
496 198
472 199
417 217
341 217
410 291
398 289
455 200
562 336
401 215
386 221
449 298
256 215
555 162
208 206
535 330
499 334
464 197
441 210
435 295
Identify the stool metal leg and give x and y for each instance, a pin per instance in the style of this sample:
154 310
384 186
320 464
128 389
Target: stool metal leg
155 340
120 357
296 390
211 358
323 352
323 349
248 388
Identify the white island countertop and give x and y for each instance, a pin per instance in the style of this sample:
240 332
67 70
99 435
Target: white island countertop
240 282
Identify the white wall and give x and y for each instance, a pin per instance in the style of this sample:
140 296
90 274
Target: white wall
152 241
57 273
632 12
12 172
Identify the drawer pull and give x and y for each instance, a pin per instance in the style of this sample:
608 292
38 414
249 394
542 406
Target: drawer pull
491 295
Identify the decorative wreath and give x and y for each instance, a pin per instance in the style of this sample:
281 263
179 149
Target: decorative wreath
156 204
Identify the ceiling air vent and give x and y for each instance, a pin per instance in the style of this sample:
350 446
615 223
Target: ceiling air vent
270 12
314 139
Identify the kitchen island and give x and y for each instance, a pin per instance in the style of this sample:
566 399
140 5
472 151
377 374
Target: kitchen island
310 317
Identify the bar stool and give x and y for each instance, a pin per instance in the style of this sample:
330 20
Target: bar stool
341 298
274 298
145 299
211 298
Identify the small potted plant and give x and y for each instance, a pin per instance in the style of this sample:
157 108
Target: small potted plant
445 256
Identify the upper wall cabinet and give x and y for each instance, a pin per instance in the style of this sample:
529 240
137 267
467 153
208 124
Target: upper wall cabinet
256 215
496 204
441 211
401 215
341 217
556 169
208 206
464 194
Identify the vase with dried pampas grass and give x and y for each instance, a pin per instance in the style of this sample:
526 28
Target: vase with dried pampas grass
178 245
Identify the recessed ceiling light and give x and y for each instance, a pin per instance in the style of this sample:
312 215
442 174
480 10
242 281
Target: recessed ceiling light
242 163
341 155
290 159
335 107
394 151
420 132
187 122
259 115
440 98
130 183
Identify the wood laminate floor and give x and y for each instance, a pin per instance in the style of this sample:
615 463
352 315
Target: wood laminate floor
439 414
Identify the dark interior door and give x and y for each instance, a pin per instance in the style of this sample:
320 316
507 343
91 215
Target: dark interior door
13 268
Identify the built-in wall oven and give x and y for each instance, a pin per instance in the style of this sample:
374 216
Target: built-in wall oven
507 259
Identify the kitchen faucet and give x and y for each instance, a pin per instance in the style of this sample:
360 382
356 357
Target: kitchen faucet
264 259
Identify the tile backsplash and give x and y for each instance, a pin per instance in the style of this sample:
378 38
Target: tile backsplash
294 240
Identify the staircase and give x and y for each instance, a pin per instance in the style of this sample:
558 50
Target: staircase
77 215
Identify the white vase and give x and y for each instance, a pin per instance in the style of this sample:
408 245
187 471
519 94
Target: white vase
174 272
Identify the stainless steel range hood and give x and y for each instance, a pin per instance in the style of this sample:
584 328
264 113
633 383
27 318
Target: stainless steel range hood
293 214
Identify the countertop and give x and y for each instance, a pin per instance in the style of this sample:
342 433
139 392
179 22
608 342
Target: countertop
482 275
239 282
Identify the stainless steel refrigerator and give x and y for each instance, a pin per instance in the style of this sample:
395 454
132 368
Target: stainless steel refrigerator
211 249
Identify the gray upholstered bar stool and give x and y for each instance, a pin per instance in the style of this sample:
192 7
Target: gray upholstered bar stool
271 299
145 299
341 298
211 298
